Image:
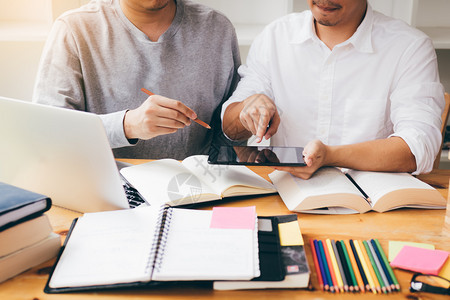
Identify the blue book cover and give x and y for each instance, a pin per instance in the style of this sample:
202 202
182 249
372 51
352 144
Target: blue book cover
18 205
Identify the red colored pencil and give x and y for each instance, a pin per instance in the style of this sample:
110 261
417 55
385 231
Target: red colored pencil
332 271
316 264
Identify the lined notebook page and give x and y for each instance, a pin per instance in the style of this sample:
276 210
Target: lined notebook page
194 251
123 237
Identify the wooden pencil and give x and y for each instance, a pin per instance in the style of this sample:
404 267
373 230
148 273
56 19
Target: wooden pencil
360 267
365 263
330 267
380 268
326 284
335 265
316 264
355 267
380 259
346 265
388 267
197 120
325 265
369 266
351 272
341 267
377 273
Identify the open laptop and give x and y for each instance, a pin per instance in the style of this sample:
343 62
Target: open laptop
61 153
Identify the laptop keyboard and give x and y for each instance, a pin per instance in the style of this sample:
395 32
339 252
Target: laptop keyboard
134 198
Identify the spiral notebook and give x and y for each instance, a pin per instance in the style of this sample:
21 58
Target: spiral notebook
145 245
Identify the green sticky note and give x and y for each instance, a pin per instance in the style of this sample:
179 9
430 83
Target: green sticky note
396 246
290 234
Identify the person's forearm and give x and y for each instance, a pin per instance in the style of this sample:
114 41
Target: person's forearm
231 123
389 155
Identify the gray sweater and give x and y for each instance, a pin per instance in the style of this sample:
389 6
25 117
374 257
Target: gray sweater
96 60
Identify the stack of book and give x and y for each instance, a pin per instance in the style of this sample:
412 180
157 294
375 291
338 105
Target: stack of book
26 236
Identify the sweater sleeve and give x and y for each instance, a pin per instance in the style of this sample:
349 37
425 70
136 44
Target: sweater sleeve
60 81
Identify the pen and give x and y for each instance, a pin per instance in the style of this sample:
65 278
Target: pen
198 121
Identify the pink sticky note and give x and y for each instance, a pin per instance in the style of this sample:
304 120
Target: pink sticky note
421 260
233 217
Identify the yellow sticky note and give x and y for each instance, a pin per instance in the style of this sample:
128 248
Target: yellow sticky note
396 246
290 234
445 271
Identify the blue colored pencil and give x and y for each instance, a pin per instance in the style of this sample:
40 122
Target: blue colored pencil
379 267
325 265
360 267
383 265
386 263
322 270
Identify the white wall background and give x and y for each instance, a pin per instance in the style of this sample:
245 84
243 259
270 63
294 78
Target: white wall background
20 49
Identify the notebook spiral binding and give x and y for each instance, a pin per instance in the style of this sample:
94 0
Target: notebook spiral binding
160 238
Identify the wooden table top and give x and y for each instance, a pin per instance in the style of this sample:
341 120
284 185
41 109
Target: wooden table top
425 226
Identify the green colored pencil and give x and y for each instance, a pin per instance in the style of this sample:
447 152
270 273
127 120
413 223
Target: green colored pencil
349 264
374 266
388 267
379 266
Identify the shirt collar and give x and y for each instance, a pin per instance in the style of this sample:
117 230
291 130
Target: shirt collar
306 31
361 39
171 31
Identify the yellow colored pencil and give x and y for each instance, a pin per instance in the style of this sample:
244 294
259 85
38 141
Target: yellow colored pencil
354 266
365 267
370 267
335 265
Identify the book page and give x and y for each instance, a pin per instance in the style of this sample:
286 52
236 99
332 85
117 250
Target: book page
194 251
222 177
327 187
326 181
166 181
108 248
378 184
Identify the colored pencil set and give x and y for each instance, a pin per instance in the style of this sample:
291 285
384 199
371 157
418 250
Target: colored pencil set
353 266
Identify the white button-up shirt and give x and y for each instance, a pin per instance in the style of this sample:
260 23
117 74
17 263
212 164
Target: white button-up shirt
381 82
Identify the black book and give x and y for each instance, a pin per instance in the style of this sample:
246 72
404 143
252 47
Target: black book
270 261
18 205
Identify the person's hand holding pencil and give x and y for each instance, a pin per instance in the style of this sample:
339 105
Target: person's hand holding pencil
157 116
197 120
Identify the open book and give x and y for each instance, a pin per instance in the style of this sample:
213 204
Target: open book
193 180
141 246
331 191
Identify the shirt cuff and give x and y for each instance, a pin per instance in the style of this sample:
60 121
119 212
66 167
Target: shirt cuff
424 144
224 108
113 124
